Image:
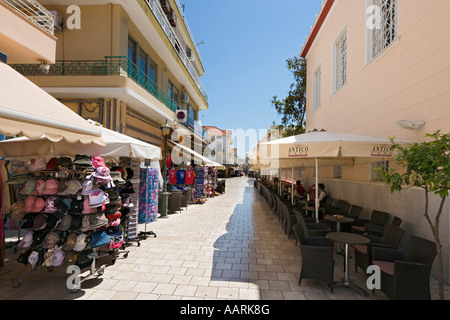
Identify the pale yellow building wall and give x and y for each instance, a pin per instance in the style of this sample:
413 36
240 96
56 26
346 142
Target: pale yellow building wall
409 80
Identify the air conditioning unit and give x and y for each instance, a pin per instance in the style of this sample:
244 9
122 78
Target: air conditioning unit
58 21
184 97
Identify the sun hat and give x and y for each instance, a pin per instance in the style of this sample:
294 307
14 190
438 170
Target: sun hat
114 216
114 197
115 242
61 208
59 258
39 221
51 223
29 187
72 187
52 164
127 202
38 164
64 162
51 186
102 174
87 209
28 220
98 161
97 198
114 231
80 242
127 188
29 203
115 223
40 187
93 221
65 223
86 187
50 206
17 214
70 242
38 237
76 222
27 239
98 239
116 177
76 206
48 257
85 223
39 204
83 162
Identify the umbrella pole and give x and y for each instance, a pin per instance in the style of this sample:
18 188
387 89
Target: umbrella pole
317 190
292 186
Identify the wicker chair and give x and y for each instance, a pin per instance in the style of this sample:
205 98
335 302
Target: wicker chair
391 239
318 256
405 275
377 221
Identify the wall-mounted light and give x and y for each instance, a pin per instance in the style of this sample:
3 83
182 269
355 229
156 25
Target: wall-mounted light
45 67
410 125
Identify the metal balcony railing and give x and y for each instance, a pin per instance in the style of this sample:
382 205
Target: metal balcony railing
110 66
160 16
35 12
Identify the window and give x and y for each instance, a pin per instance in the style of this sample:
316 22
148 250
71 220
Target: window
173 92
374 175
340 61
142 62
151 70
132 50
317 83
382 29
337 172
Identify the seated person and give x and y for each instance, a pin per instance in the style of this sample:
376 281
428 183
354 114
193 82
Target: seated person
300 190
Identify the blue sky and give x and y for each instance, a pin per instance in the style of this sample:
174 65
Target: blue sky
246 44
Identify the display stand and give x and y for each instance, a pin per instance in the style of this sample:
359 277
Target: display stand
144 188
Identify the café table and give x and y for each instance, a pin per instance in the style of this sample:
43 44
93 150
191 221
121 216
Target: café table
348 239
338 221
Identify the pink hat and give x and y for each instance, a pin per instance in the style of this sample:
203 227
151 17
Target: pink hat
51 186
102 174
86 206
115 223
50 205
40 187
87 187
29 203
98 162
39 205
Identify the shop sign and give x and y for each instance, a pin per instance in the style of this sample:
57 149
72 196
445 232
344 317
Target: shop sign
298 151
381 150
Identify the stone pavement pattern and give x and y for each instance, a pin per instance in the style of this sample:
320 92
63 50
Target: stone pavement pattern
232 247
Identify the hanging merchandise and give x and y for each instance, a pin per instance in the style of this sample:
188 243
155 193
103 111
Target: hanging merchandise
148 195
181 176
173 176
66 215
190 176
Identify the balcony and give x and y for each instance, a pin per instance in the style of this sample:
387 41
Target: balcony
110 66
160 16
34 12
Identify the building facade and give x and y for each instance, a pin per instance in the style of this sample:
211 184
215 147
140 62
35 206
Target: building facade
129 65
380 68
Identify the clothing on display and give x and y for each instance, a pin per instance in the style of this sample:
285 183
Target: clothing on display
148 195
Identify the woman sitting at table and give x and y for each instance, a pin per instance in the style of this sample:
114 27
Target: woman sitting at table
300 190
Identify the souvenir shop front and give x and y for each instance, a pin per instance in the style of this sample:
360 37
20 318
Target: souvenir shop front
71 208
188 169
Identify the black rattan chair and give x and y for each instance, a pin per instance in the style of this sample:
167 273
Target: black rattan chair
317 256
391 239
405 275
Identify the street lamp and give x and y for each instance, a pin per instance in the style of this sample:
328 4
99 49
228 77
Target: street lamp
165 130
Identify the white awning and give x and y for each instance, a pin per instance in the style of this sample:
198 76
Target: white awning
26 109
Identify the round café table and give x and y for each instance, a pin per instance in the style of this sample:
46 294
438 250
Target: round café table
338 222
348 239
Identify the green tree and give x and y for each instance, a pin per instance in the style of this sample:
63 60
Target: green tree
293 107
425 165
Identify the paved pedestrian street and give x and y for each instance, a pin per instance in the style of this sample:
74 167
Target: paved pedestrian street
231 247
